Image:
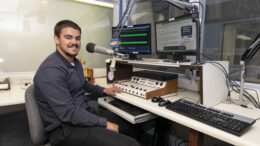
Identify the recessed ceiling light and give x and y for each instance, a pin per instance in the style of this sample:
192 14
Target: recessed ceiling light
1 60
45 2
94 2
243 37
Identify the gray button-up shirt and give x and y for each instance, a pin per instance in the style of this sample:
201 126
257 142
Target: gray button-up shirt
59 93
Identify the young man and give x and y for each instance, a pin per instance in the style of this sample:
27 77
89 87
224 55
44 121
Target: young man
59 91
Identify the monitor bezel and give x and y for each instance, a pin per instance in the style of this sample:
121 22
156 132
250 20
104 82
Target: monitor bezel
149 43
184 53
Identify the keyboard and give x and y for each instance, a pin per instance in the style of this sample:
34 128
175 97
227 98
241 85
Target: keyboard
131 109
125 110
229 122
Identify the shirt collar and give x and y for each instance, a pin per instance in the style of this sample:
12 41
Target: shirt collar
66 62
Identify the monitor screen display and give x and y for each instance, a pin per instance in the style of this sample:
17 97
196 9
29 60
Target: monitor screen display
134 39
176 36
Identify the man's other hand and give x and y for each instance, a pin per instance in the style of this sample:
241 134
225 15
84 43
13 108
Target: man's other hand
112 91
112 126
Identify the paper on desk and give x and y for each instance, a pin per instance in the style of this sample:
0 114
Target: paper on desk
3 86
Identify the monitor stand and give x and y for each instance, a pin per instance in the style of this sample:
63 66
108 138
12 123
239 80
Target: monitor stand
179 58
134 57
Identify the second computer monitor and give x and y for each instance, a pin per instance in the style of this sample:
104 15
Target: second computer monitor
134 40
176 37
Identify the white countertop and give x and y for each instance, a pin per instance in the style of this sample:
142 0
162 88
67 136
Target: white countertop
17 83
13 96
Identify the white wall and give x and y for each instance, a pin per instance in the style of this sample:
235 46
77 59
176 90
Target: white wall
26 31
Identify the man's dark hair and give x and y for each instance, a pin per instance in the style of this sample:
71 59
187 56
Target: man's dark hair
65 23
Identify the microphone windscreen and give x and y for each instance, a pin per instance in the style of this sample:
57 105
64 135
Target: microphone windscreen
90 47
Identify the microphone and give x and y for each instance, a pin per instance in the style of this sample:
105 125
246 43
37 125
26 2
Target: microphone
91 48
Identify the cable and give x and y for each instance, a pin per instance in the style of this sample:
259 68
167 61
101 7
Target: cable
206 57
236 88
116 33
127 12
233 85
255 92
218 65
232 72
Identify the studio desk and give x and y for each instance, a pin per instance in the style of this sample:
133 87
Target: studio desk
197 129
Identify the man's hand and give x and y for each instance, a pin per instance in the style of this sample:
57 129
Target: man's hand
112 91
112 126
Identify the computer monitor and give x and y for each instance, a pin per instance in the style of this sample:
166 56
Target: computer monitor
176 37
134 40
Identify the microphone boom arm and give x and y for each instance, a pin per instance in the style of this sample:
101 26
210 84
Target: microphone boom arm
247 56
252 50
194 11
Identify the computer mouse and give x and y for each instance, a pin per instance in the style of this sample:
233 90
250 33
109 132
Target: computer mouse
164 103
156 99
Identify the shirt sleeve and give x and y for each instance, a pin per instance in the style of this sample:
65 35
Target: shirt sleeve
68 109
90 88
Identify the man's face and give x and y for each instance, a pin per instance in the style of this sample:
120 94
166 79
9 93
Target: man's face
68 42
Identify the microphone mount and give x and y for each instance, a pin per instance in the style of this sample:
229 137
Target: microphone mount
246 57
194 11
119 55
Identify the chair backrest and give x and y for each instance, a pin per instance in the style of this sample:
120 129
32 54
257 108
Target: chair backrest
37 132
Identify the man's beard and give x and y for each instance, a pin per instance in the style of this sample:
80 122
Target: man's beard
67 53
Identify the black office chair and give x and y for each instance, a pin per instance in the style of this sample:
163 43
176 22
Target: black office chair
38 136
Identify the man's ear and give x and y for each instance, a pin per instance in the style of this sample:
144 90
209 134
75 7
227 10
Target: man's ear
56 39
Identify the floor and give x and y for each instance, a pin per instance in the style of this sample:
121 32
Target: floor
14 129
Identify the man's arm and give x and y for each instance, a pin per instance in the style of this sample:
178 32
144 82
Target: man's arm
90 88
112 91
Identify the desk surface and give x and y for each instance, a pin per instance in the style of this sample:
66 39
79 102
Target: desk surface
17 92
13 96
18 83
250 138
